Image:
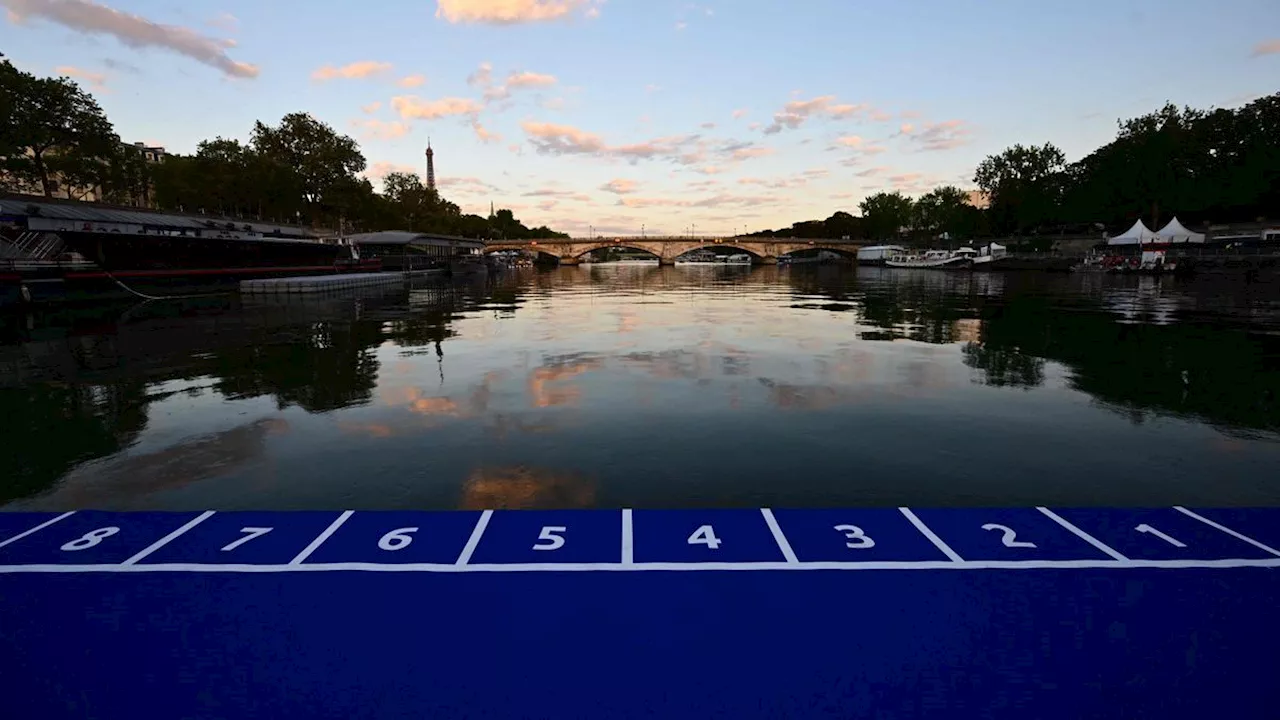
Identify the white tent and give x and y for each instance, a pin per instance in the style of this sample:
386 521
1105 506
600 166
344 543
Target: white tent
1135 235
1175 233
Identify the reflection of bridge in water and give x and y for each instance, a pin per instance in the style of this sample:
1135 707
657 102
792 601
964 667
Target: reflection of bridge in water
667 249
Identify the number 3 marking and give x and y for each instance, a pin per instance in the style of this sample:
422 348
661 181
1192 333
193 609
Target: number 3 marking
549 534
705 535
251 533
91 538
1009 536
855 534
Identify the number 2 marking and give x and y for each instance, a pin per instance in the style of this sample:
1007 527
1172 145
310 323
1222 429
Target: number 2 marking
1145 528
858 539
551 536
705 535
1009 536
251 533
89 539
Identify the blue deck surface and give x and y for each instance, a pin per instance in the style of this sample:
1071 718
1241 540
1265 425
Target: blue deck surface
1017 613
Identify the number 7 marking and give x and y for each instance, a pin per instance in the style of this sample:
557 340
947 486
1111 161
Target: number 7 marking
252 533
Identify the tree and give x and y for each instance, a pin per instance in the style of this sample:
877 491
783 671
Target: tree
944 210
321 158
54 132
1024 184
885 215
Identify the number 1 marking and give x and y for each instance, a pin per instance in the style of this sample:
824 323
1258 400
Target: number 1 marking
252 533
1145 528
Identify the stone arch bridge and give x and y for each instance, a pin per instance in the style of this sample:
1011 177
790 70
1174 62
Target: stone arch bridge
763 249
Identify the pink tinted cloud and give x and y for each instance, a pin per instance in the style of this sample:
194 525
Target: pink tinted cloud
412 81
620 186
352 71
410 107
797 112
512 12
1268 47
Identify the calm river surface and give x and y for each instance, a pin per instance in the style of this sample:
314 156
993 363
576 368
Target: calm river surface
655 387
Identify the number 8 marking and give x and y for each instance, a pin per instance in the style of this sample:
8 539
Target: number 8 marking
91 538
860 539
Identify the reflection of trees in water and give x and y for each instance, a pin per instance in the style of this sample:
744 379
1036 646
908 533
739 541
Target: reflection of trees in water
523 488
50 427
1003 367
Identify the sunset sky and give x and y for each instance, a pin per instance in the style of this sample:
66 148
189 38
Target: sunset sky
620 113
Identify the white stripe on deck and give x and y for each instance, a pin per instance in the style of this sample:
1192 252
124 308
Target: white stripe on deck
37 528
169 538
628 538
657 566
1226 530
778 537
315 544
474 540
1081 534
933 537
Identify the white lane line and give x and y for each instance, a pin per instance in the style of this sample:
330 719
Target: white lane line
659 566
1081 534
778 537
628 540
933 537
37 528
315 544
474 540
168 538
1226 530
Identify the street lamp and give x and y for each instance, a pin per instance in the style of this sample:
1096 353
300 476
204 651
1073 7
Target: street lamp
642 231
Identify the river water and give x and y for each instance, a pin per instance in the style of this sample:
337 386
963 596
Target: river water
655 387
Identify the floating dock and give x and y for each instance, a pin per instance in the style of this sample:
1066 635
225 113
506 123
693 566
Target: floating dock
319 283
892 612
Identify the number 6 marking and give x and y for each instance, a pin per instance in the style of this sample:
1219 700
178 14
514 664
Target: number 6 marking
251 534
855 533
1009 536
397 539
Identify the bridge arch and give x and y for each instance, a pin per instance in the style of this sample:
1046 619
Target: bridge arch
580 252
849 253
756 255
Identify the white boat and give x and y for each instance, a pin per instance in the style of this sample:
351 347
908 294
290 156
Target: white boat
934 259
989 254
710 258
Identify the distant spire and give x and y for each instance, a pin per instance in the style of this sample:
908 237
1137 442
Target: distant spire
431 166
491 215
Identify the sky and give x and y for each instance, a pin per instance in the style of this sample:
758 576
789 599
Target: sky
617 116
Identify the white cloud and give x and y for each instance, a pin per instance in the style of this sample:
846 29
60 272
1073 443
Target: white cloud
797 112
134 31
512 12
482 77
410 107
96 80
739 113
353 71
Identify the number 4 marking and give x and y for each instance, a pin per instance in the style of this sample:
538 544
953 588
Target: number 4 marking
252 533
705 535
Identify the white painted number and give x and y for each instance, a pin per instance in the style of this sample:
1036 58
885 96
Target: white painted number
553 541
397 539
1009 536
705 535
250 533
1145 528
91 538
857 539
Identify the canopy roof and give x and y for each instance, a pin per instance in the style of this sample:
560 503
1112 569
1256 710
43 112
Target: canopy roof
404 237
1174 232
1139 233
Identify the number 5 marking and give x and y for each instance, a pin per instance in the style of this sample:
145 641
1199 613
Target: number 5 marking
252 533
1145 528
854 533
1009 536
549 534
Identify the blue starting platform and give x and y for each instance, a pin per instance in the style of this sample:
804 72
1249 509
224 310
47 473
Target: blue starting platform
878 612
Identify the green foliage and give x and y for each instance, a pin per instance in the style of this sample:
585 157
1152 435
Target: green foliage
886 215
1024 185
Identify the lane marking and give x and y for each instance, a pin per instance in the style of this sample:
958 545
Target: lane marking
474 540
1081 534
659 566
628 540
1226 530
778 537
315 544
37 528
168 538
933 537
